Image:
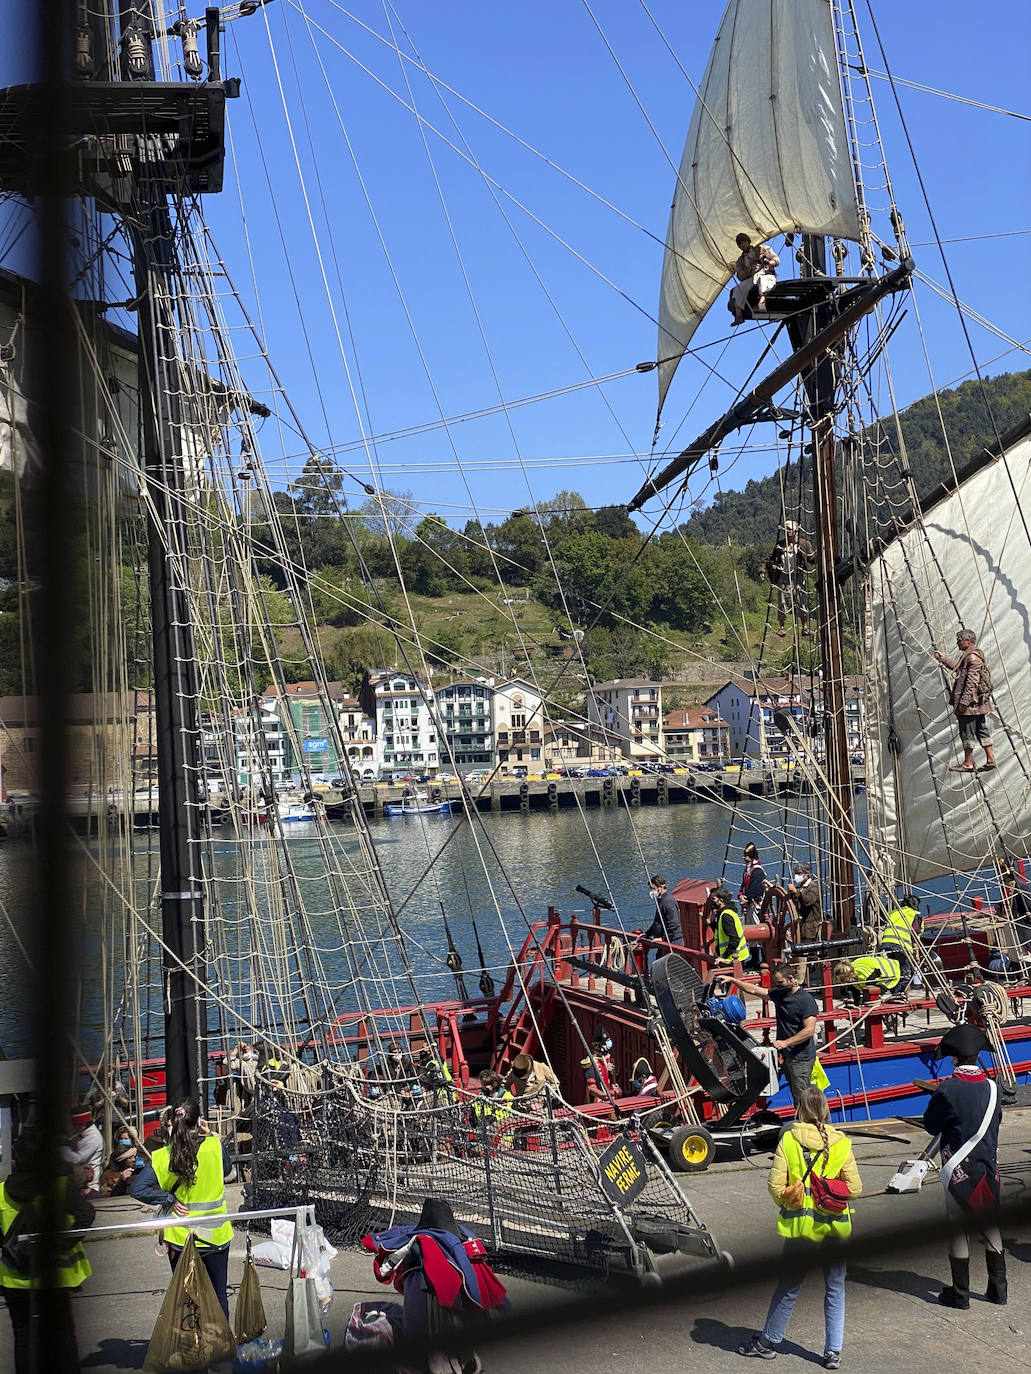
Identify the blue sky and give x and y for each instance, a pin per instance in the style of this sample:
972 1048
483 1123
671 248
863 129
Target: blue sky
567 290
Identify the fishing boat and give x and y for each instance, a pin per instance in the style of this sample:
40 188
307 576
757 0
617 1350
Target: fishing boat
417 804
312 958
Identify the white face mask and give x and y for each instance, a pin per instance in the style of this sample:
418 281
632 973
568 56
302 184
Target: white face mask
799 877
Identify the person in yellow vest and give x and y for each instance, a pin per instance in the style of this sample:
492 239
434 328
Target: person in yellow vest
902 927
810 1145
728 932
879 970
187 1177
41 1313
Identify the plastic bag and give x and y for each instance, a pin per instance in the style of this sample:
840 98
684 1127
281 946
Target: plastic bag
374 1325
304 1335
250 1310
257 1355
272 1254
192 1331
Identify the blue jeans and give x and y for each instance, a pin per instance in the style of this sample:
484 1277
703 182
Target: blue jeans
782 1304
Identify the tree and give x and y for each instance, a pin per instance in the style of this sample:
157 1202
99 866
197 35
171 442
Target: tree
318 492
389 512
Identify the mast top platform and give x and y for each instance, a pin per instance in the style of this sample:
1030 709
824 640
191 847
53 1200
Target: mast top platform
184 123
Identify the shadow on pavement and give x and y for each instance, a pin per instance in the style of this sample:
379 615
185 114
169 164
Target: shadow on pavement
899 1280
112 1353
709 1331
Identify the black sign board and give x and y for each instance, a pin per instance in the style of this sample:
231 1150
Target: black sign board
624 1172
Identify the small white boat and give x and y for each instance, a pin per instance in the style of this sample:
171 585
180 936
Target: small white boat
417 804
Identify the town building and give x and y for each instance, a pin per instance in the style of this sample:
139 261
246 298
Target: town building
630 712
259 745
750 709
465 716
577 742
406 727
695 735
103 731
518 723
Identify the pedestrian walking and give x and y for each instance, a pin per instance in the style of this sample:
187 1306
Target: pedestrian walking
965 1112
809 1152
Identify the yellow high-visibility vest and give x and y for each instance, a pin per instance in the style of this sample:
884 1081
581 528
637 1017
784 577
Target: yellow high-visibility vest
898 928
730 939
72 1265
805 1222
205 1197
881 969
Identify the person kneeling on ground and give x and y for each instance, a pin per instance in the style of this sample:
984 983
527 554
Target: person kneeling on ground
856 975
810 1146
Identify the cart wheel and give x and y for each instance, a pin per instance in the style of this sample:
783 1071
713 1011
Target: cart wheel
691 1149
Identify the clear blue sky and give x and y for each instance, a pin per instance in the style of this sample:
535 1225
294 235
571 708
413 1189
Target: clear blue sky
542 70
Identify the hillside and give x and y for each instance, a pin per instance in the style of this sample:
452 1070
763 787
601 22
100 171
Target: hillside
972 416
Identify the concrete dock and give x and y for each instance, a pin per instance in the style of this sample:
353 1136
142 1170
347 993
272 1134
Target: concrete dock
893 1321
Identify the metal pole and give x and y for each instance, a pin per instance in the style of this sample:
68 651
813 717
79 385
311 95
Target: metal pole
175 662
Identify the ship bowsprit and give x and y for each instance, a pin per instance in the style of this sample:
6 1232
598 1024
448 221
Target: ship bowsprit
533 1187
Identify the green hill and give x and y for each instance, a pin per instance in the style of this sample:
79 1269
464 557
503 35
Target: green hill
972 416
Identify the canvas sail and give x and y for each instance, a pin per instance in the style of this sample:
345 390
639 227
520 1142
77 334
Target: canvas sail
968 562
766 153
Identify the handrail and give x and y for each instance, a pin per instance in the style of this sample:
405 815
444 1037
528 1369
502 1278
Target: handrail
167 1221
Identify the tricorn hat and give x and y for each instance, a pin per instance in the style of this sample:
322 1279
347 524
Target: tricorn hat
963 1043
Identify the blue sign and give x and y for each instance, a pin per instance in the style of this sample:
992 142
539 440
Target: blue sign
315 746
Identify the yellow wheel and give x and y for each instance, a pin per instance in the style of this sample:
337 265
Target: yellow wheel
691 1149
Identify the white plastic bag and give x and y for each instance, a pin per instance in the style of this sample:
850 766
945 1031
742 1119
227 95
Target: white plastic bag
272 1254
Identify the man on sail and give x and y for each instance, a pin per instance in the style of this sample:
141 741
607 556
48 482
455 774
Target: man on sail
971 699
786 568
756 273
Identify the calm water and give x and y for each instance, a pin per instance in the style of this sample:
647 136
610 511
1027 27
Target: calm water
532 860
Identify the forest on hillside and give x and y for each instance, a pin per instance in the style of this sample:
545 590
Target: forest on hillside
974 415
493 596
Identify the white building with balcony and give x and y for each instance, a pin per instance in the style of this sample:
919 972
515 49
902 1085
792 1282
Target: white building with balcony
749 708
406 727
518 723
630 712
465 714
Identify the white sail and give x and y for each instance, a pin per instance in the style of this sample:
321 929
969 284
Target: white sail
766 153
967 562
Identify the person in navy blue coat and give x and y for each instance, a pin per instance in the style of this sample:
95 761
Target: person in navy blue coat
965 1112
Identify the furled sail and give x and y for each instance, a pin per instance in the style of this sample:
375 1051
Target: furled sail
967 562
766 153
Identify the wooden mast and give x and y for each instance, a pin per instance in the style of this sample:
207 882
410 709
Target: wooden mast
820 383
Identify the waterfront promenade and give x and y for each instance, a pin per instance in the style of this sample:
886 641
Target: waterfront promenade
893 1321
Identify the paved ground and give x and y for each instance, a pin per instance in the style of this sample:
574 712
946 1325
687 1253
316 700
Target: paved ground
892 1321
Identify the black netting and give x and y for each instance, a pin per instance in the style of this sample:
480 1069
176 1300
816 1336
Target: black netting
529 1185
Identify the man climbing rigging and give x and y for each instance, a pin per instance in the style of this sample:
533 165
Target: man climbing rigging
786 568
971 699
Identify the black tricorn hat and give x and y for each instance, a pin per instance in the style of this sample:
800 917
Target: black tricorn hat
437 1215
963 1043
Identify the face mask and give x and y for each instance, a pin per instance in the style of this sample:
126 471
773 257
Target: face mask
606 1044
124 1143
250 1056
375 1092
799 877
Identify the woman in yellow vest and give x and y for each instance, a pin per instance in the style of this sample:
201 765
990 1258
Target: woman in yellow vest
810 1140
39 1307
187 1177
